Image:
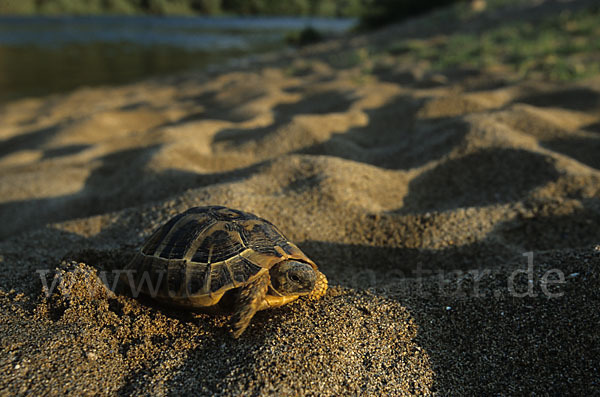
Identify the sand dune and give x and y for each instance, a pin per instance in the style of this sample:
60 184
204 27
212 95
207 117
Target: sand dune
397 187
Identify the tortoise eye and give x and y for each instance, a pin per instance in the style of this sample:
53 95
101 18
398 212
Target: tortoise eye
294 278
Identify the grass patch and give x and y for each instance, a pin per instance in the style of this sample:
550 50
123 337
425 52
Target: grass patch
330 8
563 47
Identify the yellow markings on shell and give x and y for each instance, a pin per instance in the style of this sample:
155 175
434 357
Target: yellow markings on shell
167 238
194 246
210 251
281 252
205 300
228 267
250 223
262 260
236 236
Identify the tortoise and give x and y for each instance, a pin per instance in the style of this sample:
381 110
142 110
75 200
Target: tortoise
222 260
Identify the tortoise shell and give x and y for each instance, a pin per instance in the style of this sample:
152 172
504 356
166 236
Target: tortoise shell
200 254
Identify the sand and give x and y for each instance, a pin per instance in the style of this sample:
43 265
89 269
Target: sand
417 193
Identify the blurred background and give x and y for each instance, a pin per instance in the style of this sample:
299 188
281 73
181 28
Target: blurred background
49 46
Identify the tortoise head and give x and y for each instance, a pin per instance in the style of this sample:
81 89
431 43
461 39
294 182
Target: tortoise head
293 278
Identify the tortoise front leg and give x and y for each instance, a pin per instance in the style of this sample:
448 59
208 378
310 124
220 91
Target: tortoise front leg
249 301
272 301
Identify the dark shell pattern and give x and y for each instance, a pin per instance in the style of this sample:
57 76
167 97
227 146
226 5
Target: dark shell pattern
206 251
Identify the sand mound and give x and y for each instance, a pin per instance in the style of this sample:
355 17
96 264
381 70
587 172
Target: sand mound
416 199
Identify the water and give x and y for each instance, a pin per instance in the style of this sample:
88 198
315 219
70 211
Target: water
42 55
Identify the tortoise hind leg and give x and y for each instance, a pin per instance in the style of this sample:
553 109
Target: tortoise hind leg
250 300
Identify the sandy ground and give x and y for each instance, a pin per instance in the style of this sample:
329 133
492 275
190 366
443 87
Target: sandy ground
417 193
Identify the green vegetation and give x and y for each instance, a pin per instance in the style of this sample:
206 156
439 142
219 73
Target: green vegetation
308 35
340 8
373 13
563 47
